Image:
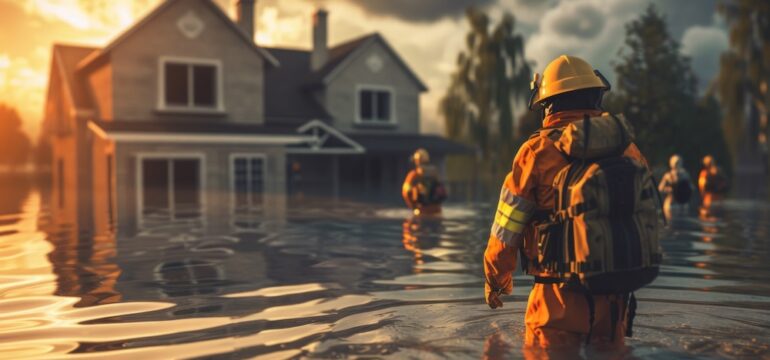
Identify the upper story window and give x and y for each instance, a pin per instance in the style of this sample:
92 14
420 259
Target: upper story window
190 84
375 106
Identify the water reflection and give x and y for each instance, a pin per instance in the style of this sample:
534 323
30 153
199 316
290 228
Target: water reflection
341 280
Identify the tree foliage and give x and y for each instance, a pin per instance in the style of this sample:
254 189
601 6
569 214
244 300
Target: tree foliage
656 91
15 146
744 75
491 75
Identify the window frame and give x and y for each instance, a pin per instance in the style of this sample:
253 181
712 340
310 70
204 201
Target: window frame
231 169
219 105
373 122
169 156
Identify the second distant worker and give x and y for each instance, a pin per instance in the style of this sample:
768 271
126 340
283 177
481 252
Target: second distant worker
422 191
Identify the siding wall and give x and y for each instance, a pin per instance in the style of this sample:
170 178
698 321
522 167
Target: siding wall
135 66
217 172
341 95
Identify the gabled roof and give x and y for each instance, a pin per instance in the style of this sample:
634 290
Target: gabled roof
65 61
339 53
287 99
97 56
343 54
288 89
328 140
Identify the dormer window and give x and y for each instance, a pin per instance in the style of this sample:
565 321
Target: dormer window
375 105
190 84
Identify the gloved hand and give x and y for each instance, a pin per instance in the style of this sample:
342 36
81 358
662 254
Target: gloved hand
493 299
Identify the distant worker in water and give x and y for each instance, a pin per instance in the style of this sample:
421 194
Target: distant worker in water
677 187
423 191
712 183
579 210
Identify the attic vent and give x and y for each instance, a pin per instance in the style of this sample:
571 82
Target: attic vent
190 25
374 63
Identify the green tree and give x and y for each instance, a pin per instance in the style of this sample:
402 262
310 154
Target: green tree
656 87
744 75
14 144
491 75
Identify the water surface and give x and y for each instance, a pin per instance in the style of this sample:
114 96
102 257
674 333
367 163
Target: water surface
344 280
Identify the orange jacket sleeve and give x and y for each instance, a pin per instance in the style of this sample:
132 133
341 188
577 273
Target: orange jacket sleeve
515 209
406 189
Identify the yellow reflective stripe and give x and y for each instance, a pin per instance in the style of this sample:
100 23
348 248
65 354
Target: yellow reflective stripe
504 208
511 212
511 225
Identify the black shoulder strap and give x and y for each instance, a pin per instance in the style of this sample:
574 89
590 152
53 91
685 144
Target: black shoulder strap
621 129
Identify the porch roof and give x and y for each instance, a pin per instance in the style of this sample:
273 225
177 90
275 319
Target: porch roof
190 132
405 143
194 127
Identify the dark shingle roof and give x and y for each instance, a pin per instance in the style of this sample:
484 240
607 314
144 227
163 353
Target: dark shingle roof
287 98
405 143
337 55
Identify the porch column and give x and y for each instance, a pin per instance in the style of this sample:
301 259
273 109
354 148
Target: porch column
335 176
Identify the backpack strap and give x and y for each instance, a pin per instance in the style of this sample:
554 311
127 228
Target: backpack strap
573 211
587 132
631 315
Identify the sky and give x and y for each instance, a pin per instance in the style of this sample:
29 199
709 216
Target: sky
428 34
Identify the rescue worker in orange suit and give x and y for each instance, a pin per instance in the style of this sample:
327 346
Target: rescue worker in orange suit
556 318
422 190
712 184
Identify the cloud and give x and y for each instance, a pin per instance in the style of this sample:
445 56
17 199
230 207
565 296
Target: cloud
582 20
591 29
682 14
704 45
595 30
419 10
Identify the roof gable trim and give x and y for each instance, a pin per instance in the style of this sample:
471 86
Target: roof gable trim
360 50
321 132
96 56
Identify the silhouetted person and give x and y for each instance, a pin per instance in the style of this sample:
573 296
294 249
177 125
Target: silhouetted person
676 186
712 183
422 190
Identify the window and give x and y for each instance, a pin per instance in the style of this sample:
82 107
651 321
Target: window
375 106
171 189
248 187
190 85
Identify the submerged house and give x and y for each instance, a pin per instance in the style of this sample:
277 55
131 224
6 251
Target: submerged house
184 117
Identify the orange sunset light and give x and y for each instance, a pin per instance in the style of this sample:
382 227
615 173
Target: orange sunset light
31 27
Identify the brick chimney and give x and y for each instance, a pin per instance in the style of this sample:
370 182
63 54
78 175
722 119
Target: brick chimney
245 17
320 54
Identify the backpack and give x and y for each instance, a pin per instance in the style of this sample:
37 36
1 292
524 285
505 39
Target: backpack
431 189
716 183
681 191
602 236
438 192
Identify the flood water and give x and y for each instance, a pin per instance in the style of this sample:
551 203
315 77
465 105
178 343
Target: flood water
345 280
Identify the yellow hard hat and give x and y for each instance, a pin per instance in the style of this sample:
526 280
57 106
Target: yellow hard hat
564 74
708 161
421 156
